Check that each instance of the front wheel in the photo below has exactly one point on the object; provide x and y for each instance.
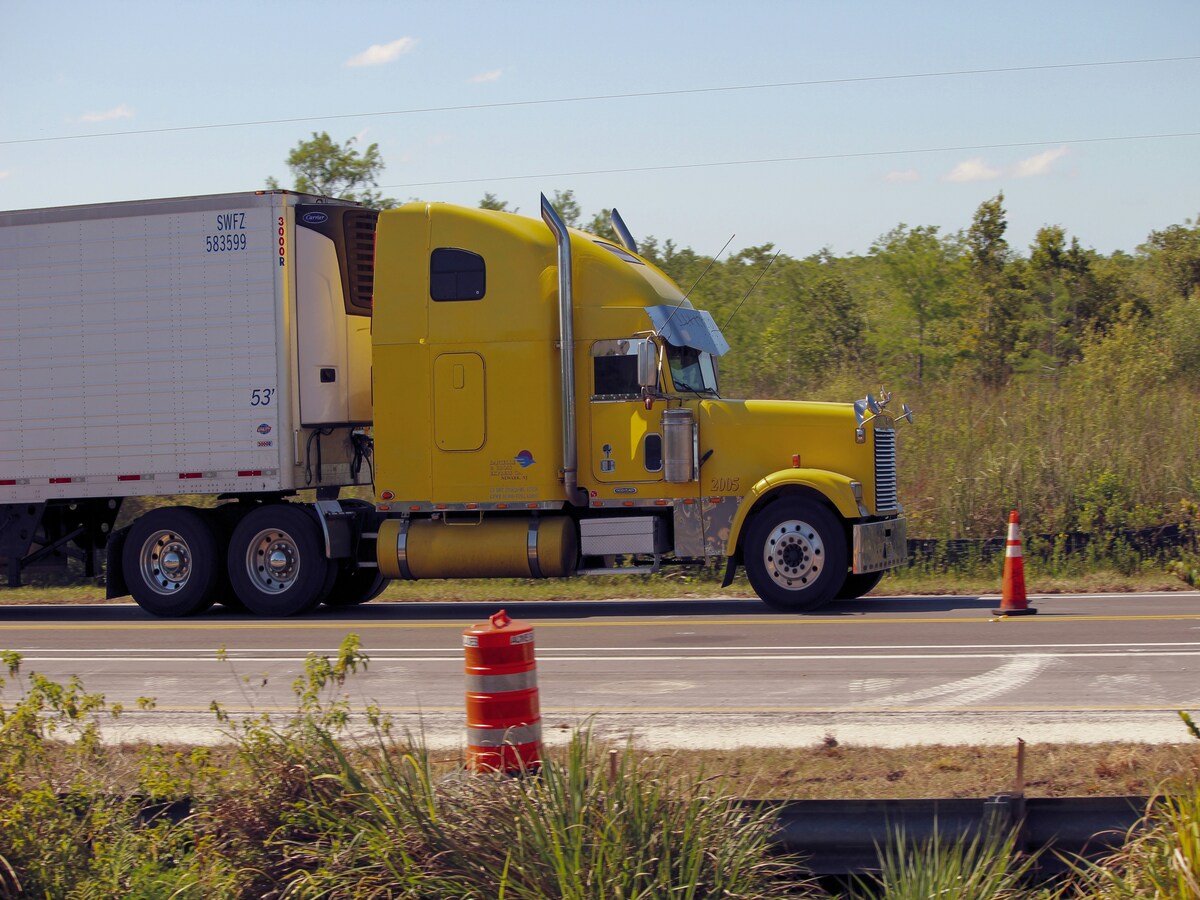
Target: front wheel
(277, 562)
(795, 555)
(856, 585)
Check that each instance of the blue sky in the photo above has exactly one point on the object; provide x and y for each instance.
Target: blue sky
(803, 124)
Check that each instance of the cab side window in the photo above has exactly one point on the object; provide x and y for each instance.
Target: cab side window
(616, 376)
(456, 274)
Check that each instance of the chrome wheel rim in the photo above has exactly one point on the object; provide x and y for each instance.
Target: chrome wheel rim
(165, 562)
(794, 555)
(273, 561)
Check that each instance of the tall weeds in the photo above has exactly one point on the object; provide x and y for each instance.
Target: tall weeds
(981, 867)
(302, 808)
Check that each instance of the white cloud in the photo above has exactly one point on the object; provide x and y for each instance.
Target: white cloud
(973, 170)
(979, 169)
(1039, 164)
(378, 54)
(485, 77)
(903, 176)
(117, 112)
(4, 174)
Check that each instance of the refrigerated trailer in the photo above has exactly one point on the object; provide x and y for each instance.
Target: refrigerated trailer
(519, 399)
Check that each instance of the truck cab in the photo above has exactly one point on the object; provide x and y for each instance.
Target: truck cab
(547, 402)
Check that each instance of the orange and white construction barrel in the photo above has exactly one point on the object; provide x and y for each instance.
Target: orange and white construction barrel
(504, 722)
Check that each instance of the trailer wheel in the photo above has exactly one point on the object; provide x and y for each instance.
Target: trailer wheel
(171, 562)
(856, 585)
(354, 587)
(795, 555)
(277, 562)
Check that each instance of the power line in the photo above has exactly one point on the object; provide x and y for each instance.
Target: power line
(788, 159)
(600, 97)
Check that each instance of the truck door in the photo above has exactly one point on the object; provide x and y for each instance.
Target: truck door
(627, 441)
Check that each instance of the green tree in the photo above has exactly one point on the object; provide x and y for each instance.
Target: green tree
(491, 201)
(568, 208)
(989, 292)
(1174, 255)
(921, 269)
(323, 167)
(816, 332)
(601, 225)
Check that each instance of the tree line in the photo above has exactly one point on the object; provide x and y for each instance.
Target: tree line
(1050, 378)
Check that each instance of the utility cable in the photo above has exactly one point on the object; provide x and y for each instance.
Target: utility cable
(593, 98)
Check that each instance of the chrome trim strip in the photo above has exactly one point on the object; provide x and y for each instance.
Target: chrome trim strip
(402, 551)
(531, 548)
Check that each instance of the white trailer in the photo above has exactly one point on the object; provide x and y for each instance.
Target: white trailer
(213, 345)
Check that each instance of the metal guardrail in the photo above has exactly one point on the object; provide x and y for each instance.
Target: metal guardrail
(1147, 541)
(842, 837)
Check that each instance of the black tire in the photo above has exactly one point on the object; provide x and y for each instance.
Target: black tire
(277, 562)
(172, 562)
(795, 554)
(355, 587)
(856, 585)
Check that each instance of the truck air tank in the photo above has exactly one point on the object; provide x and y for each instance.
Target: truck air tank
(510, 547)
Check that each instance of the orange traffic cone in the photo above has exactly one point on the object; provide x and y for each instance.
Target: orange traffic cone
(1012, 597)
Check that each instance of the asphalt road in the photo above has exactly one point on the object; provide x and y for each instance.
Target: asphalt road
(700, 673)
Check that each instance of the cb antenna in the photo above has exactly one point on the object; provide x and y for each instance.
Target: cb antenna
(752, 287)
(696, 282)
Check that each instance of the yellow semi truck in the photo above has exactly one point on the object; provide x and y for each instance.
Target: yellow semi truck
(529, 401)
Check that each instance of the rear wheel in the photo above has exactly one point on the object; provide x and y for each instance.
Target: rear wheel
(277, 562)
(172, 561)
(795, 554)
(856, 585)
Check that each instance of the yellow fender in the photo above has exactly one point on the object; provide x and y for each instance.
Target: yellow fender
(835, 488)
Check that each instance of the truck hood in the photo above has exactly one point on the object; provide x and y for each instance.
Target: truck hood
(746, 440)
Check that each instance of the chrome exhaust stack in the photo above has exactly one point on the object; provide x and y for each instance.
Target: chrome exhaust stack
(566, 339)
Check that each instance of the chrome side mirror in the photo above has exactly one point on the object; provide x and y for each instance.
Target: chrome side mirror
(647, 364)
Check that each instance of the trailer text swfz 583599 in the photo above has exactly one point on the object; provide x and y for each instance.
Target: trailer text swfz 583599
(526, 400)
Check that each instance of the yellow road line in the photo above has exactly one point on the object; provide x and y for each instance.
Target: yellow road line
(342, 625)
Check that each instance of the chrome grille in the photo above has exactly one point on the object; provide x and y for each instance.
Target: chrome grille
(886, 499)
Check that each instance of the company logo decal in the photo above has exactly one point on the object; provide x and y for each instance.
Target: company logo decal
(314, 218)
(524, 459)
(264, 428)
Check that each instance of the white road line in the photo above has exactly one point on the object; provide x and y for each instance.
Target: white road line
(229, 652)
(627, 657)
(977, 689)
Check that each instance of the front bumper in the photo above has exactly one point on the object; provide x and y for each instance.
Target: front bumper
(880, 545)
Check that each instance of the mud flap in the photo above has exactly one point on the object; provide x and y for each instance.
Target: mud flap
(114, 575)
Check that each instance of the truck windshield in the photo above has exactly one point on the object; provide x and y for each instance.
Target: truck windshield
(692, 370)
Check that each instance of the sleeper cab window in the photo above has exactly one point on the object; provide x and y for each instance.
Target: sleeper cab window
(456, 275)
